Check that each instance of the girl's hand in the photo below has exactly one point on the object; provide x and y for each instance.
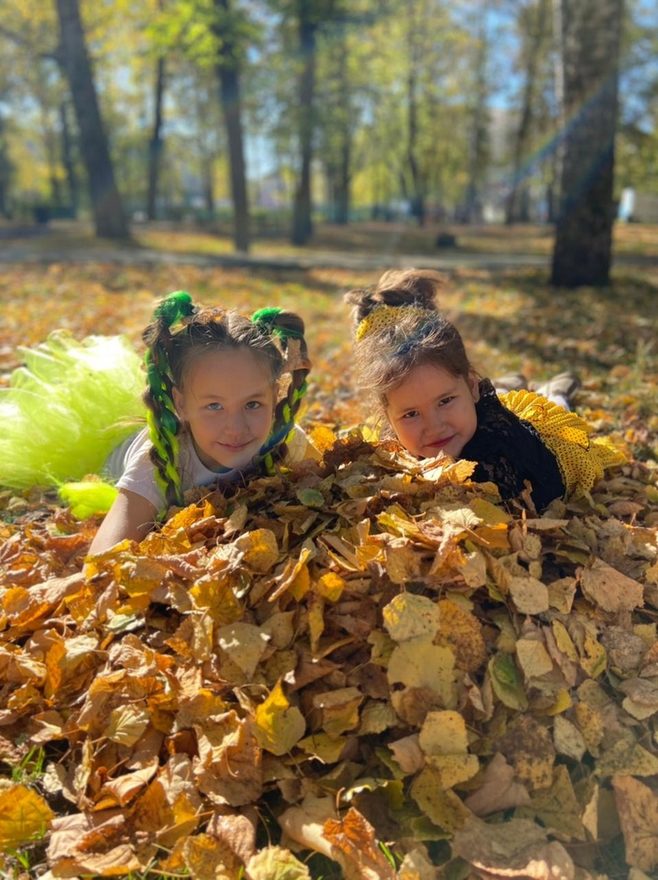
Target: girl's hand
(131, 516)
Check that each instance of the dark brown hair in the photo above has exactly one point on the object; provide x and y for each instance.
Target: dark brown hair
(420, 335)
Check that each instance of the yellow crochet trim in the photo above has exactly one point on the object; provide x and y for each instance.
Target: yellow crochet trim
(384, 316)
(580, 458)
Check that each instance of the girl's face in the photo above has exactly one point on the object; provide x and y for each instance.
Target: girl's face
(227, 400)
(433, 411)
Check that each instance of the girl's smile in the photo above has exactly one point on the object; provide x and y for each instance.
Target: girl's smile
(227, 402)
(433, 411)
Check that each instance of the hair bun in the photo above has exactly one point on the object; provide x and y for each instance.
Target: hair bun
(397, 288)
(409, 287)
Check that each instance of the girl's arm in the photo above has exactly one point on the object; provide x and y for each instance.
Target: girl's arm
(131, 516)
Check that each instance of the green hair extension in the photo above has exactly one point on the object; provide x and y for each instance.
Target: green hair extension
(267, 317)
(162, 421)
(174, 308)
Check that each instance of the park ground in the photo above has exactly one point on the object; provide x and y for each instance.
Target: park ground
(497, 294)
(600, 550)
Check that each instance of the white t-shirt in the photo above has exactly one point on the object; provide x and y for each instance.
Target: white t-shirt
(131, 467)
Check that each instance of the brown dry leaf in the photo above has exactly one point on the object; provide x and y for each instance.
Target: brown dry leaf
(157, 686)
(517, 848)
(529, 595)
(462, 631)
(355, 839)
(527, 745)
(608, 588)
(637, 805)
(208, 859)
(498, 789)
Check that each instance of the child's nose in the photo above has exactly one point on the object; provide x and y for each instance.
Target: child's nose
(237, 425)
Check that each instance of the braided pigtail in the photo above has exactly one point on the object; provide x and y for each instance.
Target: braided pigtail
(288, 329)
(162, 420)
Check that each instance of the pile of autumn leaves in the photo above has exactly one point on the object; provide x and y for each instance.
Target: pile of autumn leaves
(363, 658)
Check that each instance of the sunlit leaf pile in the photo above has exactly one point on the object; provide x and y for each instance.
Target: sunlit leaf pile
(364, 668)
(377, 661)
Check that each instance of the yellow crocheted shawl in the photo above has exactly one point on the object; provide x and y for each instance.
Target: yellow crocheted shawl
(581, 458)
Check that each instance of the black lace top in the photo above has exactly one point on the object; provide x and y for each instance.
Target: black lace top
(509, 451)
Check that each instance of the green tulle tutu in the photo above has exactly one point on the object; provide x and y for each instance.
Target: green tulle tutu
(67, 408)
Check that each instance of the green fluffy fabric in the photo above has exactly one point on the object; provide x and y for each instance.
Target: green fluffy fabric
(88, 497)
(67, 408)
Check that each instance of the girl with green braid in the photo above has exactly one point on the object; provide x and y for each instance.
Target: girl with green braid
(218, 409)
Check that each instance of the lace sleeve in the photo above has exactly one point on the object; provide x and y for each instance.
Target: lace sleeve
(509, 451)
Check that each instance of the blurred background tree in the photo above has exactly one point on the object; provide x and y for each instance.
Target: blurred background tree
(266, 116)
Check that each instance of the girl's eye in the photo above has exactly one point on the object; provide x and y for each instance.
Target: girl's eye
(253, 404)
(411, 414)
(446, 400)
(214, 407)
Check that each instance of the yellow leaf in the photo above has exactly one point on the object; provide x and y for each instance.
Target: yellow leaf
(208, 858)
(442, 807)
(278, 725)
(409, 616)
(276, 863)
(213, 593)
(339, 709)
(533, 658)
(330, 586)
(244, 643)
(126, 725)
(260, 549)
(490, 514)
(421, 664)
(322, 437)
(444, 741)
(315, 621)
(24, 817)
(325, 748)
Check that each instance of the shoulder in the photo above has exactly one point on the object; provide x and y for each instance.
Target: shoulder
(138, 471)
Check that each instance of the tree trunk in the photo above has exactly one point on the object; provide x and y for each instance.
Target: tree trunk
(342, 190)
(208, 185)
(417, 195)
(68, 161)
(5, 172)
(517, 201)
(109, 218)
(229, 86)
(155, 143)
(478, 141)
(302, 225)
(339, 168)
(583, 243)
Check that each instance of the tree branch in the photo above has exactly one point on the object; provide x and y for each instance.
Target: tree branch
(25, 43)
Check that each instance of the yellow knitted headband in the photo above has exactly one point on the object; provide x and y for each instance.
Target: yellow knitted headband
(384, 316)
